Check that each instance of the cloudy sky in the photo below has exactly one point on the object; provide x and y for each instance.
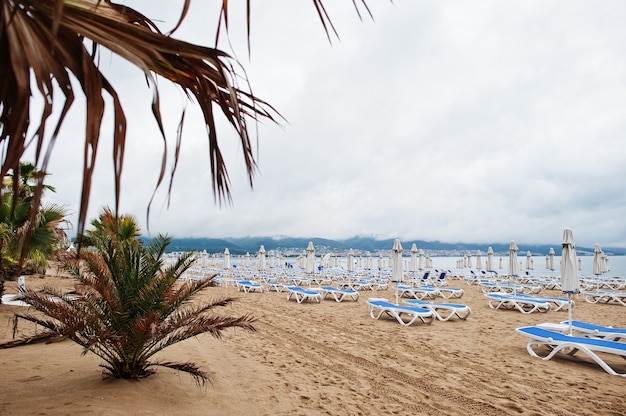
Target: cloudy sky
(457, 121)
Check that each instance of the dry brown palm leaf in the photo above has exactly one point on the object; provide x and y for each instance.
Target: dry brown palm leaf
(37, 37)
(44, 45)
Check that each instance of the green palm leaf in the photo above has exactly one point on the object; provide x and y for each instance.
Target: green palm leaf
(131, 307)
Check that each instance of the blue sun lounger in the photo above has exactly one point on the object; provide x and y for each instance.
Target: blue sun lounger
(558, 342)
(605, 296)
(556, 303)
(523, 304)
(300, 294)
(249, 286)
(377, 307)
(444, 292)
(338, 294)
(442, 311)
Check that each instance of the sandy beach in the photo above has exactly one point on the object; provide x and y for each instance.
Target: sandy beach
(326, 359)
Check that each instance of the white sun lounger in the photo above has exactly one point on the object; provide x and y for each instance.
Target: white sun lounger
(522, 304)
(556, 303)
(558, 342)
(13, 300)
(379, 285)
(600, 331)
(442, 311)
(444, 292)
(440, 280)
(338, 294)
(605, 296)
(248, 286)
(377, 307)
(300, 294)
(276, 286)
(16, 299)
(410, 291)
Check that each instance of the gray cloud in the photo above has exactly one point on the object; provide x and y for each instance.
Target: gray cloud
(482, 121)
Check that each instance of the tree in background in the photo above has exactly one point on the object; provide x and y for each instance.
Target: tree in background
(29, 233)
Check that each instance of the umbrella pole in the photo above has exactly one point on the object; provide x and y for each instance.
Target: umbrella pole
(569, 311)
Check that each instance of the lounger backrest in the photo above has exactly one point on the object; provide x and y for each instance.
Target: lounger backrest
(597, 344)
(599, 328)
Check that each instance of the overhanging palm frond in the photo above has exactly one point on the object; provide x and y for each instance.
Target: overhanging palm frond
(43, 47)
(47, 39)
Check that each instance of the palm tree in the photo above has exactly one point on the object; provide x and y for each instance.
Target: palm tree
(133, 305)
(29, 233)
(49, 43)
(108, 226)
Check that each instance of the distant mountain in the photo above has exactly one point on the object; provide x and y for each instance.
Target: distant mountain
(293, 245)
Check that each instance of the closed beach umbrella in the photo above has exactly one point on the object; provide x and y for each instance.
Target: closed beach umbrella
(569, 272)
(328, 260)
(397, 274)
(551, 259)
(469, 260)
(350, 260)
(380, 261)
(260, 260)
(529, 261)
(310, 258)
(500, 264)
(606, 262)
(489, 263)
(368, 260)
(247, 260)
(479, 260)
(226, 264)
(272, 258)
(597, 260)
(413, 262)
(513, 271)
(421, 264)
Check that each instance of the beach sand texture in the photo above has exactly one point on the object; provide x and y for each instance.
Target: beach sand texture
(326, 359)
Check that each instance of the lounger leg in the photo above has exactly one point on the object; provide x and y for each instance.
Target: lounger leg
(574, 347)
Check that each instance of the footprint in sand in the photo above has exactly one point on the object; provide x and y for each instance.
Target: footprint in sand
(33, 378)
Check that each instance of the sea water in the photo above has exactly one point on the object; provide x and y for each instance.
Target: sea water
(617, 264)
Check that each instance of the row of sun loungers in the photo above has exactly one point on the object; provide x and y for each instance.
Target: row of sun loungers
(300, 294)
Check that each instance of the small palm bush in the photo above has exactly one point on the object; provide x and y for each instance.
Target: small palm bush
(132, 306)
